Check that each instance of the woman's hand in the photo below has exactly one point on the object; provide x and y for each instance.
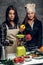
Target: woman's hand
(21, 30)
(10, 42)
(19, 42)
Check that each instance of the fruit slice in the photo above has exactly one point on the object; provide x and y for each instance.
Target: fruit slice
(20, 36)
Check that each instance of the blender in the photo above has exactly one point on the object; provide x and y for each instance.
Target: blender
(20, 50)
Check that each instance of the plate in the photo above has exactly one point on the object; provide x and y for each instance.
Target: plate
(40, 57)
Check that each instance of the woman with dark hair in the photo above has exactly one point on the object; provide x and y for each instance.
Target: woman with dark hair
(9, 29)
(33, 28)
(16, 15)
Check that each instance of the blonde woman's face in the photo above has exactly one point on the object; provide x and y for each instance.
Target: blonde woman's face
(31, 15)
(11, 15)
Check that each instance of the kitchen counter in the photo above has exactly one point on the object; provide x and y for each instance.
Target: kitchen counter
(33, 61)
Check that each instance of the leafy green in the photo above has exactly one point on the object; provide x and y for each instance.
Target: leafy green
(8, 62)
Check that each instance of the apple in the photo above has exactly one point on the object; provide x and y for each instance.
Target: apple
(22, 27)
(28, 37)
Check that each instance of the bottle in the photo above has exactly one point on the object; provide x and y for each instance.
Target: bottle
(3, 53)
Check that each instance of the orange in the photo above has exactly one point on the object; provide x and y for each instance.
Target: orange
(41, 49)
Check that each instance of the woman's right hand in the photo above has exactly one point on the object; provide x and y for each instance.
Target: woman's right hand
(10, 42)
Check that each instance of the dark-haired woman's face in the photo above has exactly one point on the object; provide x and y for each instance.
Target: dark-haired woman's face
(11, 15)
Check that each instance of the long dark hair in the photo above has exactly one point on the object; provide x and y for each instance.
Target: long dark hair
(26, 19)
(11, 7)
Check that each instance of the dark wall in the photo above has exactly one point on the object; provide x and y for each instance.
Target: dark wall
(19, 4)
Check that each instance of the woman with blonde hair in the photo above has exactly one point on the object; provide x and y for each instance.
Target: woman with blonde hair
(33, 28)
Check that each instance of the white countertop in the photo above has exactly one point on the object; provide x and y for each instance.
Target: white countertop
(33, 61)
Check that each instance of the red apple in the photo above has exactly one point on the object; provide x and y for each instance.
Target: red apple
(28, 37)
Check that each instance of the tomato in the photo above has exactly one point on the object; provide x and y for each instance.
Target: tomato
(16, 60)
(21, 60)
